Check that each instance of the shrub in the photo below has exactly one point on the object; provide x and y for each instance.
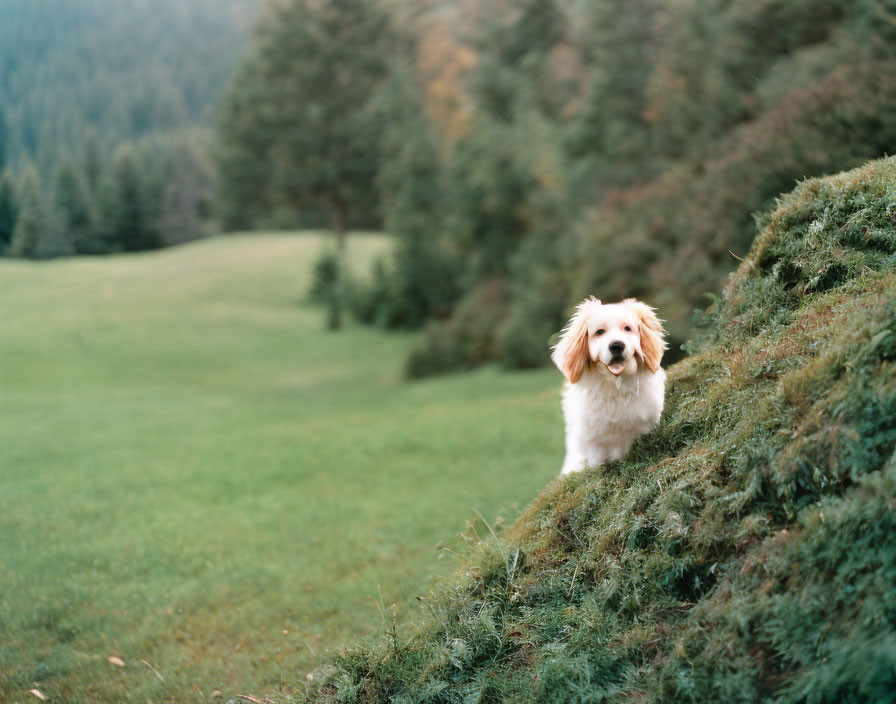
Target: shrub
(330, 286)
(465, 340)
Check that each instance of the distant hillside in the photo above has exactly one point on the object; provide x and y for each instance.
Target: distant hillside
(742, 552)
(124, 68)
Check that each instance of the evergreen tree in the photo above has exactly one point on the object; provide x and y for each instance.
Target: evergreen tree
(495, 171)
(183, 203)
(610, 137)
(4, 139)
(488, 192)
(93, 164)
(513, 61)
(126, 221)
(8, 211)
(312, 81)
(242, 196)
(153, 158)
(413, 202)
(32, 223)
(72, 208)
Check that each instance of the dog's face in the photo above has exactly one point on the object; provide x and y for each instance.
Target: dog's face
(613, 339)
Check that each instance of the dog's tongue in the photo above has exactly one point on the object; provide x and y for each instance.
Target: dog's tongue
(616, 368)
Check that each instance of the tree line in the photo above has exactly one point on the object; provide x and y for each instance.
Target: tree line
(140, 196)
(556, 149)
(524, 154)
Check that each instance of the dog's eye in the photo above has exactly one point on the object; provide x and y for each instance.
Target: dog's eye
(600, 331)
(628, 328)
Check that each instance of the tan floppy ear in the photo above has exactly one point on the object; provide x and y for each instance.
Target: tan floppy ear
(652, 343)
(571, 352)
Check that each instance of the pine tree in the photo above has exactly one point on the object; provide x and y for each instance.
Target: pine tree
(126, 221)
(494, 173)
(610, 137)
(413, 201)
(153, 158)
(8, 211)
(93, 164)
(513, 60)
(72, 208)
(183, 199)
(4, 139)
(33, 223)
(242, 198)
(312, 80)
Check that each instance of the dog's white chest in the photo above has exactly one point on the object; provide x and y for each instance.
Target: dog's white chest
(605, 416)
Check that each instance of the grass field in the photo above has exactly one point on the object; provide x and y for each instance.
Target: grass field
(196, 479)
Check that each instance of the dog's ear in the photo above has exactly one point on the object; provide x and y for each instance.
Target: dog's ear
(571, 352)
(652, 343)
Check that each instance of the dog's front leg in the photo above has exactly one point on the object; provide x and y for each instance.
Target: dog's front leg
(575, 460)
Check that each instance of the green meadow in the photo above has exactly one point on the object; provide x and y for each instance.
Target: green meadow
(199, 480)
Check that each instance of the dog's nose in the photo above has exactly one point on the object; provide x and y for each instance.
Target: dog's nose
(617, 347)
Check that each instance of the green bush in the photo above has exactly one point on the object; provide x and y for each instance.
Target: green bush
(419, 281)
(326, 276)
(331, 286)
(378, 302)
(467, 339)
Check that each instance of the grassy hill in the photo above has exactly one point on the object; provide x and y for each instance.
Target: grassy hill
(197, 479)
(743, 551)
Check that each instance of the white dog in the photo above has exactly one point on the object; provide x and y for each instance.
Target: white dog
(610, 356)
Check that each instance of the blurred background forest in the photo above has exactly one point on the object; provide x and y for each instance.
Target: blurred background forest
(523, 154)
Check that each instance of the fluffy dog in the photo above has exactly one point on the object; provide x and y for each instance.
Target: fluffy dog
(614, 391)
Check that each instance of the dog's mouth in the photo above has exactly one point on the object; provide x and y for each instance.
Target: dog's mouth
(616, 366)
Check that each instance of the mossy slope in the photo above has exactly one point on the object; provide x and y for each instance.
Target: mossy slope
(742, 552)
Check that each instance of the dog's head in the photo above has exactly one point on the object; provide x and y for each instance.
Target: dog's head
(613, 339)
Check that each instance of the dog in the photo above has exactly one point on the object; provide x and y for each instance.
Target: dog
(610, 355)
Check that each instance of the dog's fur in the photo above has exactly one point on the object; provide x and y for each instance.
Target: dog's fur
(612, 394)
